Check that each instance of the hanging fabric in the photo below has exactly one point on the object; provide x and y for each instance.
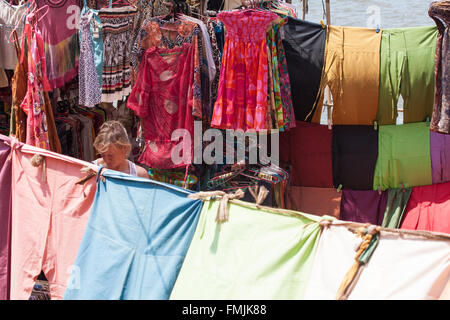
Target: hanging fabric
(440, 157)
(242, 96)
(406, 69)
(49, 217)
(152, 225)
(59, 34)
(10, 16)
(351, 87)
(116, 31)
(439, 11)
(365, 206)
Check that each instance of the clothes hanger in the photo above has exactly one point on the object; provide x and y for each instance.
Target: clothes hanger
(123, 2)
(31, 10)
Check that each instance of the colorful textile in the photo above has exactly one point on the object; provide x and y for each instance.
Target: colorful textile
(49, 216)
(348, 48)
(317, 201)
(355, 152)
(402, 267)
(135, 241)
(163, 98)
(5, 215)
(59, 32)
(304, 43)
(41, 130)
(365, 206)
(440, 157)
(403, 156)
(256, 254)
(156, 32)
(172, 177)
(90, 92)
(9, 19)
(406, 69)
(117, 31)
(243, 86)
(307, 149)
(428, 209)
(397, 201)
(439, 11)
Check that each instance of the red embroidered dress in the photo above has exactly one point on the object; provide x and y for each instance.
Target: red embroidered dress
(163, 98)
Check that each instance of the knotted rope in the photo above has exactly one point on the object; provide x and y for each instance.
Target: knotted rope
(222, 212)
(367, 235)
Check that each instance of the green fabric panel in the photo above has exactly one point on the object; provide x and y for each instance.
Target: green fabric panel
(403, 156)
(396, 205)
(256, 254)
(407, 59)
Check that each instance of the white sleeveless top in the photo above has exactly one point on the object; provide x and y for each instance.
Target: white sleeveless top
(133, 170)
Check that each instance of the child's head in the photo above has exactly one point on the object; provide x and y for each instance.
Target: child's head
(112, 143)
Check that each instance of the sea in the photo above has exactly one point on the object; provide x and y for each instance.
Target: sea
(369, 14)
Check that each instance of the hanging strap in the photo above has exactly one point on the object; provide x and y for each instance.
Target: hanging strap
(110, 3)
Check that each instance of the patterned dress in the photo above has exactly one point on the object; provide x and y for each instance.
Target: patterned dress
(243, 85)
(89, 86)
(117, 33)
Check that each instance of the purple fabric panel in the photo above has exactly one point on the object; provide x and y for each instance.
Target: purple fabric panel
(365, 206)
(440, 157)
(5, 212)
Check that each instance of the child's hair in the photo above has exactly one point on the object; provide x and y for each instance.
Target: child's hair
(112, 132)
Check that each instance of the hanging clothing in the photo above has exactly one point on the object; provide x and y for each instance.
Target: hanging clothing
(397, 201)
(41, 130)
(365, 206)
(407, 69)
(317, 201)
(3, 79)
(304, 43)
(348, 48)
(90, 92)
(59, 32)
(402, 267)
(19, 91)
(439, 11)
(163, 98)
(242, 96)
(307, 151)
(440, 157)
(156, 32)
(428, 209)
(152, 225)
(49, 217)
(9, 18)
(5, 215)
(256, 254)
(117, 28)
(355, 152)
(403, 156)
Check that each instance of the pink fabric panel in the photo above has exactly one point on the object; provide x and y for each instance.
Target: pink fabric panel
(49, 215)
(428, 209)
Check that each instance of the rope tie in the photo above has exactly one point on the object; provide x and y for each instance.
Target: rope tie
(325, 223)
(367, 234)
(222, 212)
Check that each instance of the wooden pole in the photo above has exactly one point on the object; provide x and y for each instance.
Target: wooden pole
(304, 8)
(328, 93)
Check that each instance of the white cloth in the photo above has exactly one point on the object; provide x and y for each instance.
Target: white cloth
(9, 17)
(402, 267)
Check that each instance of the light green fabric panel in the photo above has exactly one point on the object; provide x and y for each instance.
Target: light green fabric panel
(256, 254)
(403, 156)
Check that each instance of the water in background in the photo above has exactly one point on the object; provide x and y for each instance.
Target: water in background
(369, 14)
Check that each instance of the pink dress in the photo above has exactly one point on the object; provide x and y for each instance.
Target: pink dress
(33, 103)
(243, 85)
(163, 98)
